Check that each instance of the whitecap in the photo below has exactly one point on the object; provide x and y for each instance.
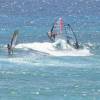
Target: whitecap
(48, 48)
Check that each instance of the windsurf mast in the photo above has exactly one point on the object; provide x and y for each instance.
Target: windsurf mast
(52, 28)
(76, 41)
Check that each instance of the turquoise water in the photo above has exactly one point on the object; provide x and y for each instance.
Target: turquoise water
(46, 78)
(31, 75)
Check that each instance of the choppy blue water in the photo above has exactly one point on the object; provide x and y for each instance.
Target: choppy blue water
(29, 75)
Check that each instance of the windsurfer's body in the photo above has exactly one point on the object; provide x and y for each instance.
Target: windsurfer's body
(52, 35)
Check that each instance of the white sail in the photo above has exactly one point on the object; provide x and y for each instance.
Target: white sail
(14, 38)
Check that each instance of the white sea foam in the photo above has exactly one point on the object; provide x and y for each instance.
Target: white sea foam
(48, 48)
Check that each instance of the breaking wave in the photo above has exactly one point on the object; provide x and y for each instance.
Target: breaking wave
(48, 48)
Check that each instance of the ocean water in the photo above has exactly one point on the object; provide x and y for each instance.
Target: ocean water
(31, 75)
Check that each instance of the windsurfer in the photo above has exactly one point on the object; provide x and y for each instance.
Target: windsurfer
(12, 44)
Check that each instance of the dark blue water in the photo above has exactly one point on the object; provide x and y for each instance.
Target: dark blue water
(29, 75)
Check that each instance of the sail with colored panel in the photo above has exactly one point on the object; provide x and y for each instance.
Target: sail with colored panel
(59, 26)
(61, 23)
(57, 29)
